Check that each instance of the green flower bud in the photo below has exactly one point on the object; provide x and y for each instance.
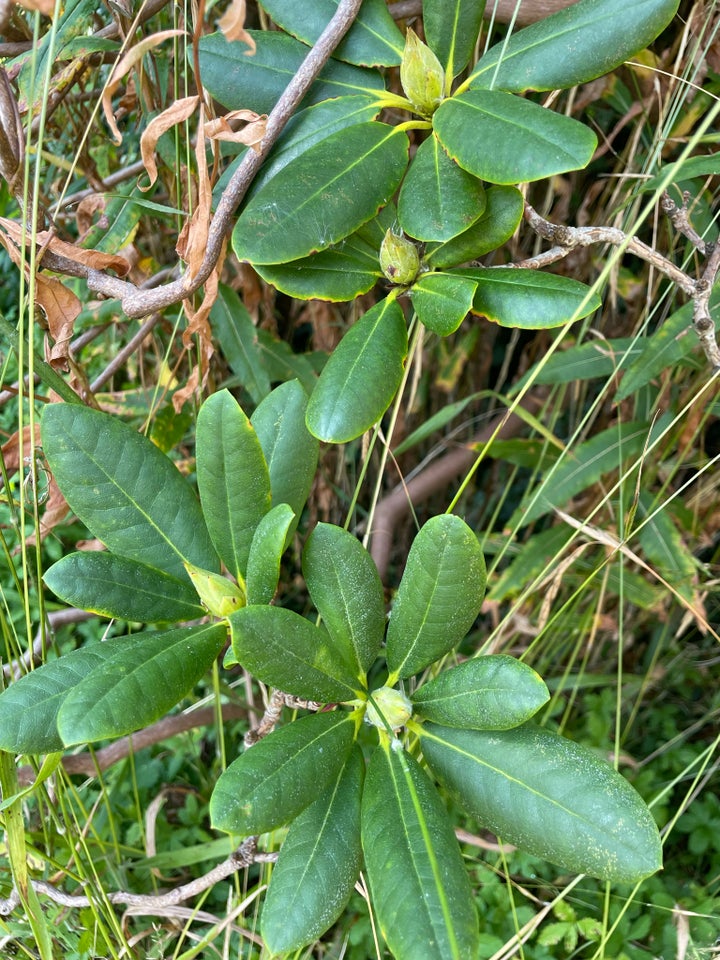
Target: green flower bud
(218, 595)
(399, 258)
(393, 708)
(421, 75)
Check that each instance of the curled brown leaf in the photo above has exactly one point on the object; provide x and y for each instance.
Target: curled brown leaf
(232, 24)
(177, 112)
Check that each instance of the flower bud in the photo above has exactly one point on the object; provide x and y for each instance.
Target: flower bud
(421, 75)
(218, 595)
(393, 708)
(399, 258)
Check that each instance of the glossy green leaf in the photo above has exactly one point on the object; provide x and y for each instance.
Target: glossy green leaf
(418, 881)
(74, 19)
(442, 301)
(266, 550)
(438, 199)
(291, 452)
(551, 797)
(323, 195)
(318, 865)
(528, 299)
(451, 30)
(372, 41)
(503, 213)
(139, 684)
(285, 650)
(574, 45)
(114, 586)
(233, 478)
(597, 358)
(345, 587)
(361, 377)
(239, 81)
(487, 693)
(436, 422)
(237, 337)
(665, 548)
(30, 705)
(338, 274)
(276, 779)
(604, 453)
(703, 165)
(125, 491)
(439, 596)
(528, 141)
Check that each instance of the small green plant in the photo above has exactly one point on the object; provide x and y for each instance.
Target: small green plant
(469, 722)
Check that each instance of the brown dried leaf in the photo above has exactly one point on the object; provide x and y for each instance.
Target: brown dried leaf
(178, 112)
(192, 243)
(232, 24)
(48, 241)
(61, 307)
(45, 7)
(11, 448)
(251, 134)
(133, 56)
(86, 210)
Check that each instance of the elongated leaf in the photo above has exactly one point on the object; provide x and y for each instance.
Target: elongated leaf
(442, 301)
(438, 199)
(29, 707)
(436, 422)
(665, 548)
(340, 273)
(553, 798)
(318, 864)
(281, 775)
(322, 196)
(574, 45)
(234, 330)
(540, 553)
(117, 587)
(285, 650)
(233, 478)
(255, 83)
(439, 596)
(372, 41)
(487, 693)
(419, 885)
(528, 142)
(291, 452)
(529, 299)
(361, 377)
(584, 361)
(590, 460)
(451, 30)
(345, 587)
(266, 550)
(503, 213)
(139, 684)
(125, 491)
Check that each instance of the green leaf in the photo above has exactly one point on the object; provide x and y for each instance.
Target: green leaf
(276, 779)
(436, 422)
(285, 650)
(125, 491)
(588, 462)
(574, 45)
(553, 798)
(323, 195)
(345, 587)
(451, 30)
(237, 336)
(291, 452)
(139, 683)
(318, 865)
(598, 358)
(438, 199)
(665, 549)
(442, 301)
(706, 164)
(503, 213)
(372, 41)
(439, 596)
(114, 586)
(362, 375)
(528, 299)
(233, 478)
(418, 881)
(30, 705)
(239, 81)
(528, 141)
(266, 550)
(119, 220)
(536, 556)
(488, 693)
